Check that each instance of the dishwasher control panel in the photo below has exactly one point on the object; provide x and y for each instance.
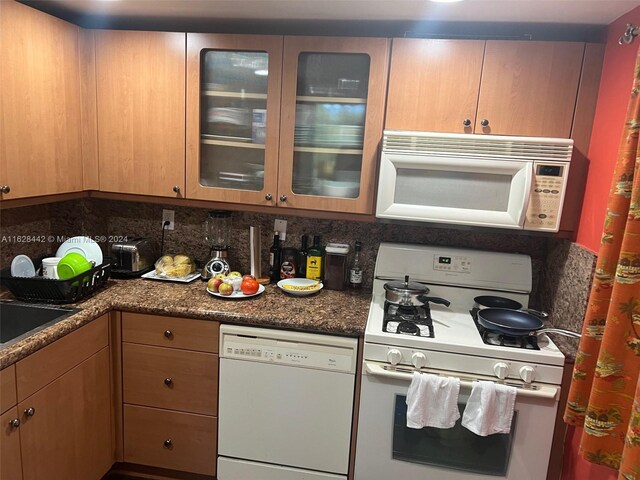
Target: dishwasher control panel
(287, 351)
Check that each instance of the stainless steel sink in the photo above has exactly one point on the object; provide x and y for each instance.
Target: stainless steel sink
(18, 320)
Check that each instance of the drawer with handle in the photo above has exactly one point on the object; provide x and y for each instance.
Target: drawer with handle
(174, 440)
(170, 378)
(171, 332)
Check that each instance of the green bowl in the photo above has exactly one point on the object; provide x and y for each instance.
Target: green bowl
(71, 265)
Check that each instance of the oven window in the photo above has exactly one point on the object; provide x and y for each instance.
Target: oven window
(440, 188)
(454, 448)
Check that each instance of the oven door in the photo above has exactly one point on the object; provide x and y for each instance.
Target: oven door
(387, 449)
(455, 190)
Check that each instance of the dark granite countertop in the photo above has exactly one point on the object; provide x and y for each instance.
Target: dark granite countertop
(333, 312)
(339, 313)
(567, 345)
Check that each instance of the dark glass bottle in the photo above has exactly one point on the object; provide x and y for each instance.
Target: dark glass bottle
(302, 258)
(274, 258)
(315, 260)
(355, 269)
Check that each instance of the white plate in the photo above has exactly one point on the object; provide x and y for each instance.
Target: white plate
(237, 295)
(152, 275)
(299, 282)
(22, 266)
(84, 246)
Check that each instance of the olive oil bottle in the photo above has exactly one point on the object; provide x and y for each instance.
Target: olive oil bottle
(315, 260)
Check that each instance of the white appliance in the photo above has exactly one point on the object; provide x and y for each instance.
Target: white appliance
(285, 404)
(482, 180)
(386, 448)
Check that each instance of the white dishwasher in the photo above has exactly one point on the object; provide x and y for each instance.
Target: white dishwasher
(285, 404)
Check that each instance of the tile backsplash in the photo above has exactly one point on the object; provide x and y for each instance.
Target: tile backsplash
(561, 270)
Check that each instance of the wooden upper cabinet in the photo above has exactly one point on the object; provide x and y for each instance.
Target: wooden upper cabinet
(498, 87)
(293, 121)
(529, 88)
(333, 96)
(233, 117)
(140, 79)
(434, 84)
(40, 134)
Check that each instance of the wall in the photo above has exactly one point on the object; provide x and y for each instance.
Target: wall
(116, 218)
(34, 231)
(613, 97)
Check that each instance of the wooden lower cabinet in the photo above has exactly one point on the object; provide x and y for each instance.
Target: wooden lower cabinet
(170, 378)
(10, 459)
(170, 392)
(68, 435)
(168, 439)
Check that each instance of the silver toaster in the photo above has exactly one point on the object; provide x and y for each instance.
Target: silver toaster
(134, 257)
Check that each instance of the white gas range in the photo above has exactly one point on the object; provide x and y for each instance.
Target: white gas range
(386, 448)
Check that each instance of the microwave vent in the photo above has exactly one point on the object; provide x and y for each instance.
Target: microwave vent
(469, 145)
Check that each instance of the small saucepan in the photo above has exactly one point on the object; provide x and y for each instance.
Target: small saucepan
(516, 323)
(492, 301)
(405, 293)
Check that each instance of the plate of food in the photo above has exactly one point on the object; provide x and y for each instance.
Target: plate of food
(174, 268)
(153, 275)
(300, 287)
(236, 295)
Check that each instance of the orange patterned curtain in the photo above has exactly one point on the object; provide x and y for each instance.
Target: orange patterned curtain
(605, 393)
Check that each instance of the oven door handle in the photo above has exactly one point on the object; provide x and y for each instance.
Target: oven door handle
(549, 393)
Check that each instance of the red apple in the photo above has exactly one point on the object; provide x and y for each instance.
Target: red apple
(247, 276)
(215, 284)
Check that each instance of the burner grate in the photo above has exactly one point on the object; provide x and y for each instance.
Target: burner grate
(490, 337)
(407, 320)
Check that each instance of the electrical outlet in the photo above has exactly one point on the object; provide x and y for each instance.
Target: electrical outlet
(280, 226)
(168, 215)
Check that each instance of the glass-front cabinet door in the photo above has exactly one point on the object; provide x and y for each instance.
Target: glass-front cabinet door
(233, 116)
(332, 114)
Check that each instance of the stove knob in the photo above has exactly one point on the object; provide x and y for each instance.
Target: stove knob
(418, 359)
(394, 356)
(527, 374)
(501, 370)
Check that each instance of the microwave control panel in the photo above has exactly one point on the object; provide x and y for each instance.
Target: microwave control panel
(547, 196)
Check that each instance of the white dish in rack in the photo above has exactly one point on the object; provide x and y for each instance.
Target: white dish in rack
(84, 246)
(22, 266)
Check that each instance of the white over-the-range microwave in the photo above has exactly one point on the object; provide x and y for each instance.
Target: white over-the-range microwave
(477, 180)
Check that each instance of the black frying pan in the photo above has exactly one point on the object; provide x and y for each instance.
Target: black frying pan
(492, 301)
(516, 323)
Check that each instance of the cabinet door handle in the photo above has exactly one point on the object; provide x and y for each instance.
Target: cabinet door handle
(283, 198)
(268, 196)
(176, 189)
(168, 443)
(466, 122)
(15, 423)
(30, 412)
(5, 189)
(168, 334)
(168, 382)
(484, 122)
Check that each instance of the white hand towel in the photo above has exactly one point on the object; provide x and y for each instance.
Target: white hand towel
(432, 401)
(489, 409)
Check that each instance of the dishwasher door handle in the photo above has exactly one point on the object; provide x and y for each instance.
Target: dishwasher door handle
(377, 370)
